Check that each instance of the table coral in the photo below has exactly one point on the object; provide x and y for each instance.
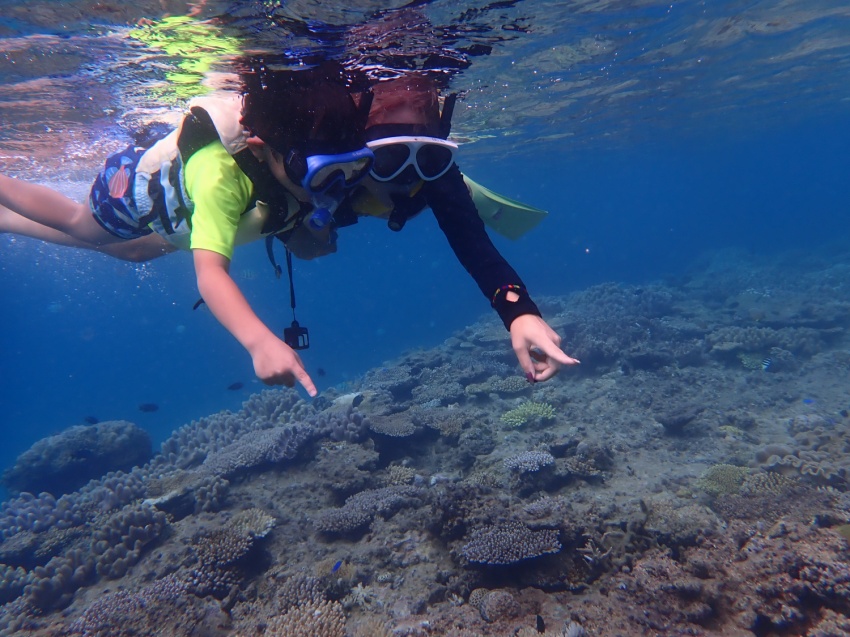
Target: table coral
(509, 543)
(529, 461)
(257, 448)
(360, 508)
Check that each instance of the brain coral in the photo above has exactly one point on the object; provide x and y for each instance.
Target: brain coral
(498, 605)
(723, 479)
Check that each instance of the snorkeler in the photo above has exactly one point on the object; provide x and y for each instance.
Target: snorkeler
(235, 170)
(414, 169)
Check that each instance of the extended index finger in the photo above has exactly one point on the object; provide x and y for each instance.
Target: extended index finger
(306, 382)
(554, 352)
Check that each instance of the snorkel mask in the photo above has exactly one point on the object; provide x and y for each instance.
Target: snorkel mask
(328, 178)
(407, 131)
(430, 157)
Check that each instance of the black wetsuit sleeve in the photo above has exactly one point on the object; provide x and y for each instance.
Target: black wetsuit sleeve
(449, 199)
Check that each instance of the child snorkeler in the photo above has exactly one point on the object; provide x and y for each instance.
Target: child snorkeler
(235, 170)
(415, 169)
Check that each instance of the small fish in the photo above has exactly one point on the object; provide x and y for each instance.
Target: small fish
(148, 407)
(321, 372)
(235, 386)
(92, 420)
(336, 566)
(766, 363)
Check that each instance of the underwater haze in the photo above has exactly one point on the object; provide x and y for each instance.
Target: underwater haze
(670, 143)
(653, 133)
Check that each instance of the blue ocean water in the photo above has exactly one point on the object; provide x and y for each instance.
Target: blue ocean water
(638, 188)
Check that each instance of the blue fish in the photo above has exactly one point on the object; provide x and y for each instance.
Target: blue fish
(336, 567)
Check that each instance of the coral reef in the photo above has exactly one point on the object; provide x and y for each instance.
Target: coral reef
(662, 488)
(120, 538)
(319, 619)
(509, 543)
(399, 425)
(529, 461)
(361, 508)
(528, 411)
(256, 448)
(161, 608)
(723, 479)
(66, 461)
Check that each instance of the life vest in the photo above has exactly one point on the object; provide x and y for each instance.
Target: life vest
(160, 190)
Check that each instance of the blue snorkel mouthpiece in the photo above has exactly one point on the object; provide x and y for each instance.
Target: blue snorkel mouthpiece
(324, 207)
(319, 218)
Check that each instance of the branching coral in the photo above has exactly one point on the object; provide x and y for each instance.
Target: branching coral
(509, 543)
(317, 619)
(164, 607)
(529, 461)
(527, 412)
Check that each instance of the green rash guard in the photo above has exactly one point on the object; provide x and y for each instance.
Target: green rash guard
(221, 192)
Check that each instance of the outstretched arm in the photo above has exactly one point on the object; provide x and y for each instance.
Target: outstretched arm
(538, 348)
(536, 345)
(275, 363)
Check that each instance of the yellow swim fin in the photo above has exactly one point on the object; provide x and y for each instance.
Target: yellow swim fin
(508, 217)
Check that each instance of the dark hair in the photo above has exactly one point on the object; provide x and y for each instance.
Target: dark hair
(407, 105)
(311, 110)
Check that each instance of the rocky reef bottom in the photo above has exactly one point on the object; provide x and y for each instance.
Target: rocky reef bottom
(689, 478)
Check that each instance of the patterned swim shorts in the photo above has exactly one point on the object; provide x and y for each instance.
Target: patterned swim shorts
(112, 201)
